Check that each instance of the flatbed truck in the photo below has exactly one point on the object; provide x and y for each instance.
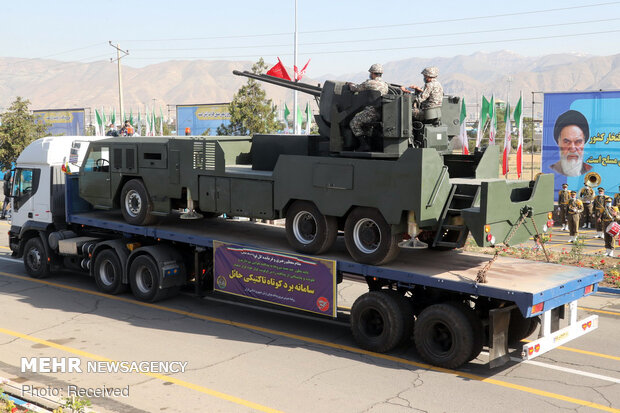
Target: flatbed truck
(432, 299)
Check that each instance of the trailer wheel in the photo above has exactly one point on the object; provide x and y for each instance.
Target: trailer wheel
(520, 327)
(307, 230)
(377, 321)
(478, 330)
(108, 272)
(406, 309)
(144, 280)
(35, 258)
(369, 237)
(136, 203)
(444, 335)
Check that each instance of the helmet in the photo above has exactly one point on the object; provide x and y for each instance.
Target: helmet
(431, 71)
(376, 68)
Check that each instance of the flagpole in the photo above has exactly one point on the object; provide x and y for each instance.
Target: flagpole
(295, 126)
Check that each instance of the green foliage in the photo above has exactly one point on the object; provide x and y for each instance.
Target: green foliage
(250, 110)
(18, 129)
(207, 132)
(76, 404)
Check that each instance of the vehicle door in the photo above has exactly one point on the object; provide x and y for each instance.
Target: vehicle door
(95, 174)
(23, 191)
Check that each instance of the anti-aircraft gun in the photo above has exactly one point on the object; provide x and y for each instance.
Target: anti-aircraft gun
(390, 136)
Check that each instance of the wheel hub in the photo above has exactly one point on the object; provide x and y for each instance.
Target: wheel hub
(144, 280)
(34, 259)
(107, 275)
(133, 203)
(304, 227)
(366, 235)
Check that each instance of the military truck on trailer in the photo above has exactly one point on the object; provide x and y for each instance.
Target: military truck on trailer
(410, 192)
(54, 229)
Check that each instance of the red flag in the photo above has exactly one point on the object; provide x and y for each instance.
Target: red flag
(279, 71)
(300, 74)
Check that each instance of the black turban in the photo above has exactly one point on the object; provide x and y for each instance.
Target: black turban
(571, 117)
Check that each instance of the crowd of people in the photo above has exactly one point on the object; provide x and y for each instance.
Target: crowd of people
(126, 130)
(599, 211)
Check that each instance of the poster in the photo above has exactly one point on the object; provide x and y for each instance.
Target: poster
(569, 157)
(202, 118)
(62, 122)
(295, 281)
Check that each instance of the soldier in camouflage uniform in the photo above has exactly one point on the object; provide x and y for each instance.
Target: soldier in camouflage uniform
(431, 96)
(370, 113)
(617, 198)
(587, 197)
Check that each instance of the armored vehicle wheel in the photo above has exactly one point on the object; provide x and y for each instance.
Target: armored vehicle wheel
(307, 230)
(136, 203)
(378, 322)
(445, 336)
(144, 280)
(369, 237)
(35, 258)
(108, 272)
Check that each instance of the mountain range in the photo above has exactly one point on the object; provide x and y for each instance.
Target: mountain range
(50, 84)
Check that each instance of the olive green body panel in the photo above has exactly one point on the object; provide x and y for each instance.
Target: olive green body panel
(502, 204)
(413, 182)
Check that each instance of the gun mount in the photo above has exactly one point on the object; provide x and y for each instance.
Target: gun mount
(391, 136)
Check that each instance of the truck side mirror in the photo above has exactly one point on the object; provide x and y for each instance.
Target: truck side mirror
(7, 185)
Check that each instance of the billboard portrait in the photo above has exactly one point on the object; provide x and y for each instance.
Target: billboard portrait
(201, 118)
(62, 122)
(581, 134)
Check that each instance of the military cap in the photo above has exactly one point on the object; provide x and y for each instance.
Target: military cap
(564, 185)
(573, 192)
(431, 71)
(601, 189)
(568, 118)
(376, 68)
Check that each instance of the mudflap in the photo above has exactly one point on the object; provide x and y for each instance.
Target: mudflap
(499, 321)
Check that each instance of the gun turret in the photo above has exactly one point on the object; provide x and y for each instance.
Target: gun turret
(302, 87)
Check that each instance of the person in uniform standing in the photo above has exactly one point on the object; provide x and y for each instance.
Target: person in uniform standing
(609, 215)
(586, 194)
(431, 96)
(563, 198)
(617, 198)
(599, 207)
(575, 208)
(370, 113)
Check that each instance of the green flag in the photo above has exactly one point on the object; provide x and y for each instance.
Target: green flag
(300, 117)
(99, 123)
(286, 113)
(113, 116)
(131, 116)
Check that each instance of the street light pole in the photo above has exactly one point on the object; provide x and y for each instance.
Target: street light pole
(120, 78)
(295, 126)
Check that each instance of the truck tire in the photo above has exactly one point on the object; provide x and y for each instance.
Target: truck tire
(144, 280)
(307, 230)
(444, 335)
(520, 327)
(136, 203)
(369, 237)
(377, 321)
(478, 330)
(406, 309)
(108, 272)
(35, 258)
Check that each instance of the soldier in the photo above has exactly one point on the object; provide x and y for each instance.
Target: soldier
(575, 208)
(431, 96)
(617, 198)
(609, 215)
(370, 113)
(587, 196)
(563, 197)
(599, 207)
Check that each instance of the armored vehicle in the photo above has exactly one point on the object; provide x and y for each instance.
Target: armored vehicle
(410, 191)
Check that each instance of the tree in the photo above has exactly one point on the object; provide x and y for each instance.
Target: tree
(18, 127)
(250, 110)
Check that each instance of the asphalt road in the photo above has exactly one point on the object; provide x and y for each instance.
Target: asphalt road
(246, 359)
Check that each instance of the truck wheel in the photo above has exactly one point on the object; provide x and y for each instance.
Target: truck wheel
(406, 309)
(369, 237)
(478, 330)
(108, 272)
(144, 280)
(444, 335)
(307, 230)
(520, 327)
(136, 203)
(377, 321)
(35, 258)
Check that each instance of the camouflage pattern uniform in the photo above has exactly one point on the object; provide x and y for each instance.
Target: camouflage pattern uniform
(432, 94)
(370, 113)
(587, 197)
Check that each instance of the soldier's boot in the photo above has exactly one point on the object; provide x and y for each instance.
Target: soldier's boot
(611, 253)
(589, 225)
(364, 146)
(571, 239)
(584, 225)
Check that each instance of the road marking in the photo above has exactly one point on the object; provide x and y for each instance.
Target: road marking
(10, 259)
(592, 310)
(170, 379)
(324, 343)
(4, 248)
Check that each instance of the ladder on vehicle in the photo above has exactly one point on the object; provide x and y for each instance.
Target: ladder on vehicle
(452, 231)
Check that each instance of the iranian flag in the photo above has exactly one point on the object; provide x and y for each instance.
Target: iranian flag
(463, 134)
(139, 125)
(308, 118)
(518, 115)
(286, 113)
(300, 119)
(493, 125)
(147, 122)
(153, 123)
(161, 122)
(484, 114)
(99, 124)
(507, 140)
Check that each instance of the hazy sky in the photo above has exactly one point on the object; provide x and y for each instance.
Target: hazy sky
(339, 36)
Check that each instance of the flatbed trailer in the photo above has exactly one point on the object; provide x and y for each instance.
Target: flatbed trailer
(432, 297)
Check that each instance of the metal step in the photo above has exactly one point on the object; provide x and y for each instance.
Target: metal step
(463, 196)
(446, 244)
(453, 227)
